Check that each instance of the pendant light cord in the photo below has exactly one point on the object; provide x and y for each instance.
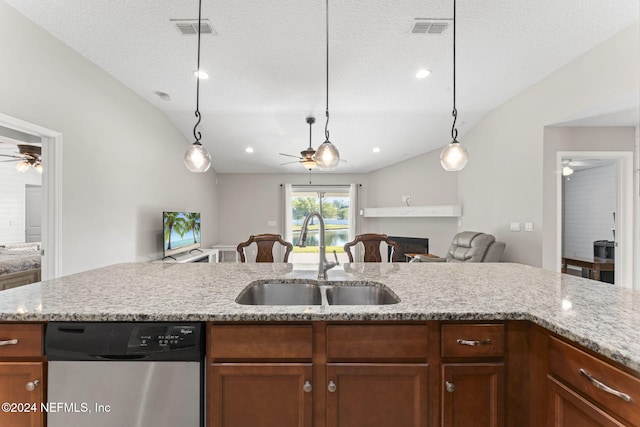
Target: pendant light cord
(326, 126)
(196, 133)
(454, 113)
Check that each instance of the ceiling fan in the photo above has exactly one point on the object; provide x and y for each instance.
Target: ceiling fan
(30, 155)
(306, 157)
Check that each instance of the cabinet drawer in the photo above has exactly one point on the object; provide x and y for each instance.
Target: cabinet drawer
(20, 340)
(476, 340)
(263, 342)
(572, 366)
(376, 342)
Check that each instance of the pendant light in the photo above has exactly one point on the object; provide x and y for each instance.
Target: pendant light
(454, 157)
(327, 156)
(197, 158)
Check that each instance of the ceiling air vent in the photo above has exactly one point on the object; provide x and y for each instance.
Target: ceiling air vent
(190, 26)
(429, 27)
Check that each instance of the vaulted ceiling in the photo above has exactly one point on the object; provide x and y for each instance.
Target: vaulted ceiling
(267, 65)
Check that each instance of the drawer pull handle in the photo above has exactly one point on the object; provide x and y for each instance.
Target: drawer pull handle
(9, 342)
(307, 387)
(604, 387)
(332, 387)
(31, 385)
(474, 343)
(449, 386)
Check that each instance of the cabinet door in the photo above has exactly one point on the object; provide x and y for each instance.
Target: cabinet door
(376, 395)
(473, 395)
(21, 387)
(259, 395)
(569, 409)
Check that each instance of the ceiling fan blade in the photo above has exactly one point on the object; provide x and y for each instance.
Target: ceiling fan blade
(289, 155)
(288, 163)
(12, 160)
(11, 155)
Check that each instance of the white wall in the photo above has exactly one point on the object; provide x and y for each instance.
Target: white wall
(12, 200)
(423, 179)
(589, 200)
(122, 158)
(503, 181)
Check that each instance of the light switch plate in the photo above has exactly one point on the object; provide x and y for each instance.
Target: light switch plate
(528, 226)
(515, 226)
(271, 223)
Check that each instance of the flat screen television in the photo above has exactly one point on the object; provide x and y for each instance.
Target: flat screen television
(181, 232)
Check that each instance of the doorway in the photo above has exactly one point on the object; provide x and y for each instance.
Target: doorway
(33, 213)
(51, 217)
(595, 210)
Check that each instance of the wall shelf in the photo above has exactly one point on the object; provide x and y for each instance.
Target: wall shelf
(415, 211)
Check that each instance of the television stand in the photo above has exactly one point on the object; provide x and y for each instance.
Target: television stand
(205, 255)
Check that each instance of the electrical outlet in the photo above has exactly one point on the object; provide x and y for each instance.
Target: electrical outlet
(515, 226)
(271, 223)
(528, 226)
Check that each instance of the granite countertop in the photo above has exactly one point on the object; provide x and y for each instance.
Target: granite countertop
(600, 316)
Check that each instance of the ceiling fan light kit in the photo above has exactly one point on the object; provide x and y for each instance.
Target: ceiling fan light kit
(197, 158)
(30, 155)
(454, 157)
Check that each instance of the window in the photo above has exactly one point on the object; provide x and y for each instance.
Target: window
(336, 204)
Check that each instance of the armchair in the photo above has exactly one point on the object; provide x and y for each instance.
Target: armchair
(469, 246)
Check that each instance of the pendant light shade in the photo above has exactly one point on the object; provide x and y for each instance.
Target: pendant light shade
(327, 156)
(454, 157)
(197, 158)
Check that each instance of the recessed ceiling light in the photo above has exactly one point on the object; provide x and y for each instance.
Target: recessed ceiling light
(201, 74)
(249, 150)
(376, 149)
(423, 73)
(163, 95)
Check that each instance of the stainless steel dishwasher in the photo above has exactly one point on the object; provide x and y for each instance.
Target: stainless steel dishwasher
(130, 374)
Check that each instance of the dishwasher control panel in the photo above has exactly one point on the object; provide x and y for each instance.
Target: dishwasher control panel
(145, 338)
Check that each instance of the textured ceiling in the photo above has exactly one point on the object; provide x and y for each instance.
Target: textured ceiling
(267, 67)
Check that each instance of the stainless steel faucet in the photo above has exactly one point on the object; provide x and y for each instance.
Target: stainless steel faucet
(324, 264)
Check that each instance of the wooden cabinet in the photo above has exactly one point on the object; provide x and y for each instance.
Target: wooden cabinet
(582, 386)
(335, 375)
(260, 395)
(259, 375)
(473, 381)
(377, 375)
(377, 395)
(569, 409)
(473, 394)
(411, 374)
(21, 375)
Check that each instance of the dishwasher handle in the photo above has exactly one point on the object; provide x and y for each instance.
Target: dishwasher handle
(119, 357)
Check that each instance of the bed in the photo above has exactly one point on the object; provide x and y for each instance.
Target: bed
(20, 264)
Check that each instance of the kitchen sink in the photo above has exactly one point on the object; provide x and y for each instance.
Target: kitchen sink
(276, 293)
(280, 294)
(359, 295)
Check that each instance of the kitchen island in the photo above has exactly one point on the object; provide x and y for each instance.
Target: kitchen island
(602, 317)
(435, 298)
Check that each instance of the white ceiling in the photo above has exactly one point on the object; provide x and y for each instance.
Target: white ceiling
(267, 67)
